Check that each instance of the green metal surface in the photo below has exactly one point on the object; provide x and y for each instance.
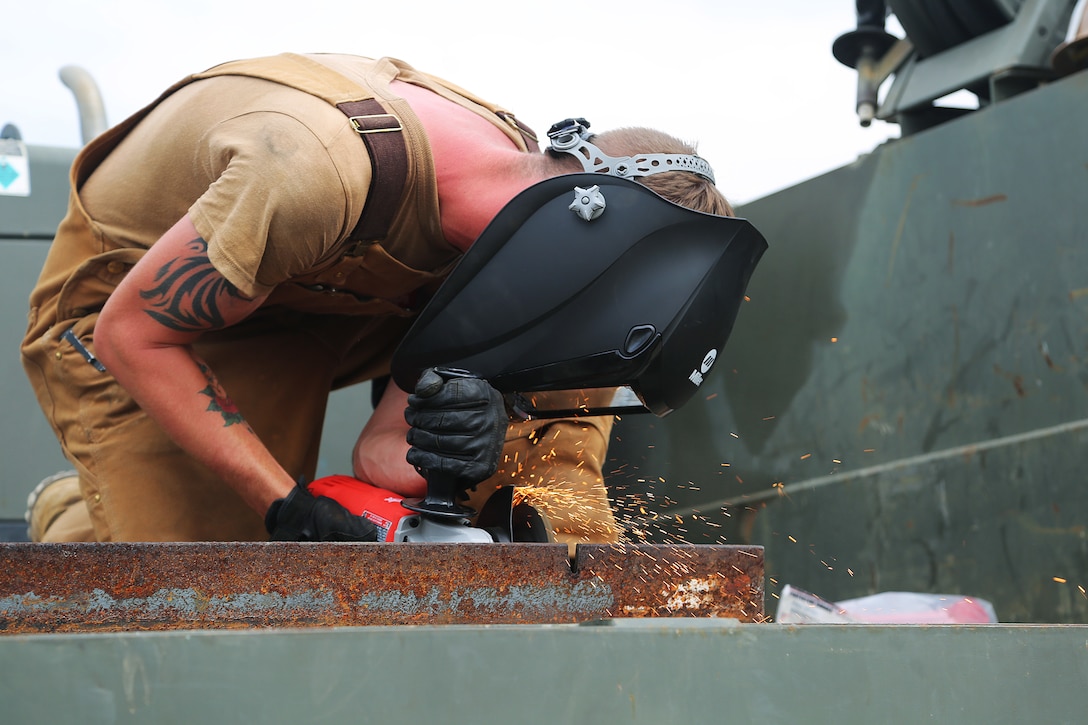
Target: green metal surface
(36, 216)
(916, 344)
(700, 671)
(28, 449)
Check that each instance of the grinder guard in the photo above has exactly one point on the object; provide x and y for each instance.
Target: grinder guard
(643, 295)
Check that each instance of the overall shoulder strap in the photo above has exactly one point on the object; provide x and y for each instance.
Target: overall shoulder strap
(379, 130)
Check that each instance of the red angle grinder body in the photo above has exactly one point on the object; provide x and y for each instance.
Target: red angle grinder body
(381, 507)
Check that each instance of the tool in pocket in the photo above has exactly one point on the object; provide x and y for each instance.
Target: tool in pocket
(82, 350)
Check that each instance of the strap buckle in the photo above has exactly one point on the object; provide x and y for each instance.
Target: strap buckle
(361, 127)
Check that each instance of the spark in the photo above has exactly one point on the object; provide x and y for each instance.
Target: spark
(1059, 579)
(834, 339)
(791, 538)
(836, 461)
(734, 434)
(806, 456)
(769, 417)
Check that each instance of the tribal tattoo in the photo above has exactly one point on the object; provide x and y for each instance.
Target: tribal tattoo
(220, 401)
(188, 292)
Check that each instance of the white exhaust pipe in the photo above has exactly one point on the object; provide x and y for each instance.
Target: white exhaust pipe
(92, 112)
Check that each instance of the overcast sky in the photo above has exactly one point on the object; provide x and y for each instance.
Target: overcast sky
(752, 82)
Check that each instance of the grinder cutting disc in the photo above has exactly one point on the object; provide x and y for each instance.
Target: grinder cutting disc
(643, 295)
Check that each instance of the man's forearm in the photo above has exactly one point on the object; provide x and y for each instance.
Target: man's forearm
(379, 454)
(144, 337)
(181, 393)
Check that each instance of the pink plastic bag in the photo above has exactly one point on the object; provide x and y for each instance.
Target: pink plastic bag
(799, 607)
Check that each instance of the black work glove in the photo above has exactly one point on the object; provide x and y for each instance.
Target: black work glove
(301, 516)
(458, 427)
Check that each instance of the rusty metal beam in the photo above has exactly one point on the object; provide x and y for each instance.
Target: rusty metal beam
(113, 587)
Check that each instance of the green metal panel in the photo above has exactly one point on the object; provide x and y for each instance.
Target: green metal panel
(28, 449)
(695, 671)
(36, 216)
(929, 298)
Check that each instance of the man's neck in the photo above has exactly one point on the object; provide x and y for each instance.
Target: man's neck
(472, 191)
(478, 169)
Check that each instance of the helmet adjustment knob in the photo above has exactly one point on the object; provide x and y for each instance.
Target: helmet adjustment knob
(588, 203)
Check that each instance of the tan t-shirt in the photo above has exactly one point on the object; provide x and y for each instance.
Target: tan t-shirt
(273, 178)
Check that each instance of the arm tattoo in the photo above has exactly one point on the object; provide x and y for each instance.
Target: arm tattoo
(188, 292)
(220, 401)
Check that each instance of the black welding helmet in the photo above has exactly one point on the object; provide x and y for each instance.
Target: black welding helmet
(589, 281)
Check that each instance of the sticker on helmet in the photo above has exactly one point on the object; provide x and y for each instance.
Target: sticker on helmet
(697, 375)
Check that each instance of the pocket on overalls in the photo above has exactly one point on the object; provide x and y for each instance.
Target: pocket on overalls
(93, 282)
(367, 283)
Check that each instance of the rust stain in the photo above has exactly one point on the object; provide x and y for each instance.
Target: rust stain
(1016, 379)
(122, 587)
(984, 201)
(900, 227)
(1018, 383)
(1044, 349)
